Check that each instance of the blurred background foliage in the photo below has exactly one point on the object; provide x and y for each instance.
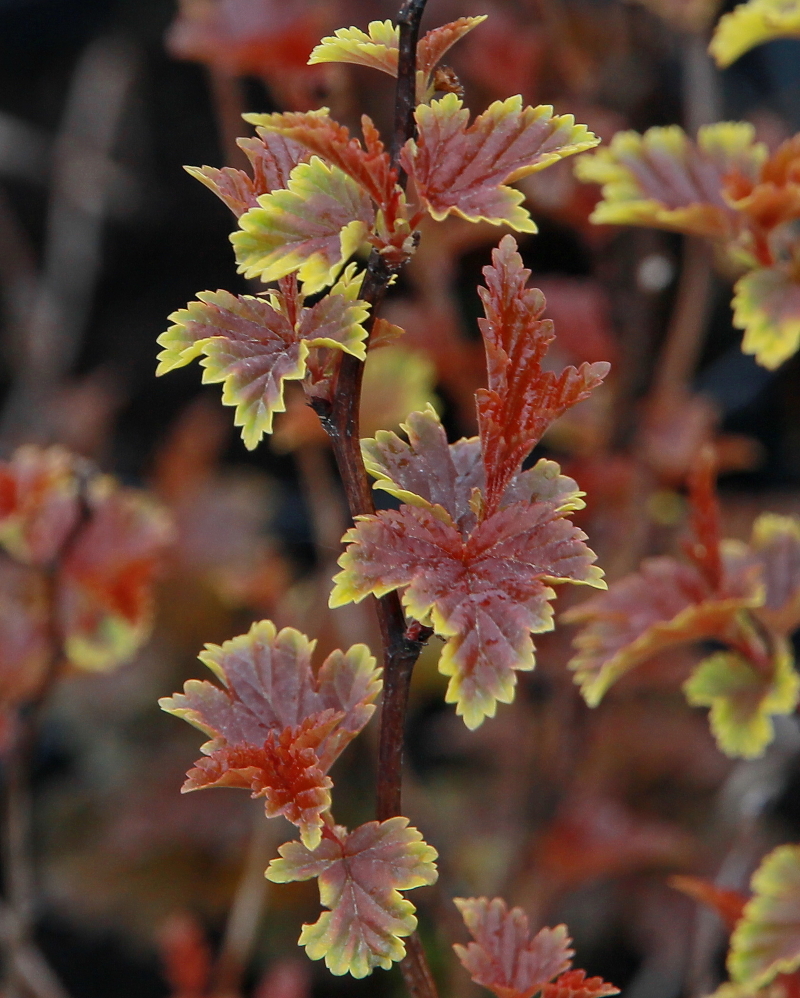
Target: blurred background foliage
(577, 815)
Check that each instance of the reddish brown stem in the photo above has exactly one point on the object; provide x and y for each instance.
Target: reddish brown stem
(401, 645)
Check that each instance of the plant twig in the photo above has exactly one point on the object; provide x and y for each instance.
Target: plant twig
(401, 644)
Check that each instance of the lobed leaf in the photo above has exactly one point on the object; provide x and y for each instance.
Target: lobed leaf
(435, 44)
(39, 503)
(104, 584)
(742, 701)
(269, 687)
(752, 24)
(766, 305)
(775, 546)
(504, 957)
(484, 592)
(272, 158)
(575, 984)
(463, 169)
(312, 228)
(522, 399)
(360, 876)
(766, 941)
(664, 180)
(255, 346)
(427, 471)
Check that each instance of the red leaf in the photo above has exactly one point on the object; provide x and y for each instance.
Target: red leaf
(39, 502)
(522, 400)
(504, 957)
(726, 903)
(463, 169)
(104, 597)
(360, 876)
(276, 728)
(273, 158)
(575, 984)
(434, 45)
(485, 591)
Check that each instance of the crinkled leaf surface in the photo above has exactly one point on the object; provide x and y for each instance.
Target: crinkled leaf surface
(104, 585)
(312, 228)
(664, 180)
(751, 24)
(766, 305)
(253, 346)
(766, 942)
(272, 157)
(425, 470)
(464, 169)
(485, 591)
(39, 503)
(277, 729)
(575, 984)
(742, 701)
(504, 957)
(522, 399)
(360, 876)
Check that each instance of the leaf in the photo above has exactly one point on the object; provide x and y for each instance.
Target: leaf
(104, 586)
(766, 942)
(484, 591)
(360, 876)
(39, 503)
(751, 24)
(272, 157)
(25, 622)
(742, 701)
(277, 729)
(369, 167)
(775, 545)
(664, 604)
(378, 47)
(664, 180)
(504, 957)
(285, 771)
(464, 169)
(522, 400)
(728, 904)
(313, 227)
(254, 346)
(427, 471)
(575, 984)
(766, 305)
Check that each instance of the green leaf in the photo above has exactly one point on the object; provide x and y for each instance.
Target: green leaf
(313, 227)
(766, 305)
(743, 702)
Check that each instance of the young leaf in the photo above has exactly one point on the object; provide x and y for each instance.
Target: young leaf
(39, 503)
(664, 180)
(313, 227)
(463, 169)
(751, 24)
(766, 305)
(766, 942)
(485, 591)
(104, 586)
(277, 729)
(504, 957)
(272, 157)
(254, 346)
(742, 701)
(522, 400)
(575, 984)
(360, 876)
